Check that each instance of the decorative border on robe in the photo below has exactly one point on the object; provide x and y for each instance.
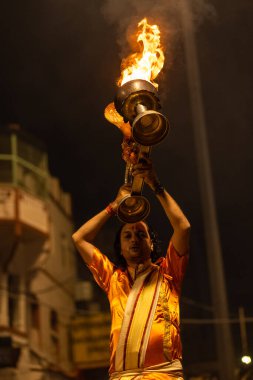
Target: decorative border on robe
(167, 324)
(137, 321)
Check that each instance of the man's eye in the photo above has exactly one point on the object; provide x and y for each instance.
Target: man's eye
(142, 234)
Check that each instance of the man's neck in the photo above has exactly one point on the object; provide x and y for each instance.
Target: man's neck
(134, 269)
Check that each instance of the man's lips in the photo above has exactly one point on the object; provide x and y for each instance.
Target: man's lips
(135, 247)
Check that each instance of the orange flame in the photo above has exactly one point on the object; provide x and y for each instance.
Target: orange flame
(147, 63)
(115, 118)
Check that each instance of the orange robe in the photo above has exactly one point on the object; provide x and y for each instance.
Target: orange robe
(164, 343)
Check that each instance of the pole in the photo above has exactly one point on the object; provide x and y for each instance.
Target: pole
(224, 343)
(243, 331)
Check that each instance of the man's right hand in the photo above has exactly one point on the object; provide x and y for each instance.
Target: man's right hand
(124, 190)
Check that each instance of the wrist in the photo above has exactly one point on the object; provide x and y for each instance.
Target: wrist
(111, 209)
(152, 182)
(158, 188)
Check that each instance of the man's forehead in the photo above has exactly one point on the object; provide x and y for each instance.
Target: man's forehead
(135, 226)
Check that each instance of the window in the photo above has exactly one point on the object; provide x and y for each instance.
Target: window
(53, 320)
(54, 326)
(34, 313)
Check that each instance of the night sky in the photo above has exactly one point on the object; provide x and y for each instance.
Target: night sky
(60, 60)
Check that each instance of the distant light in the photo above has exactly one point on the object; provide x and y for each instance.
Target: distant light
(246, 359)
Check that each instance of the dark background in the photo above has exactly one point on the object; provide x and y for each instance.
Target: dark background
(58, 67)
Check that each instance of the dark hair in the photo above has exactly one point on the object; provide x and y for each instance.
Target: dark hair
(155, 254)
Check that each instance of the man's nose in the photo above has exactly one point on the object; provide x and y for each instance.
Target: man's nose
(135, 238)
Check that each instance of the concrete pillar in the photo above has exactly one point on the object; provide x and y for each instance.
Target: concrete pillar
(22, 306)
(4, 300)
(224, 342)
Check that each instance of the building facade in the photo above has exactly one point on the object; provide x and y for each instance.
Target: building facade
(37, 264)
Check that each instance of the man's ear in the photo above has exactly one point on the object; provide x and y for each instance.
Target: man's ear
(152, 246)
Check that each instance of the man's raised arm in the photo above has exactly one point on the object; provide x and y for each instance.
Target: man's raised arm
(86, 234)
(178, 220)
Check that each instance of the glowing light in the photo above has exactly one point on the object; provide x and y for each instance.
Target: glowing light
(148, 62)
(115, 118)
(246, 359)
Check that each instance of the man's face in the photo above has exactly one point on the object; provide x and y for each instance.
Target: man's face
(136, 244)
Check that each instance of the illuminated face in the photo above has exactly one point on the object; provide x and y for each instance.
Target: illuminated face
(136, 244)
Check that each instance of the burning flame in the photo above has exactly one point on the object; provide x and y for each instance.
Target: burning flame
(145, 64)
(148, 62)
(115, 118)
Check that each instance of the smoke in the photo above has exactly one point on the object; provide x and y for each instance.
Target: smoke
(126, 14)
